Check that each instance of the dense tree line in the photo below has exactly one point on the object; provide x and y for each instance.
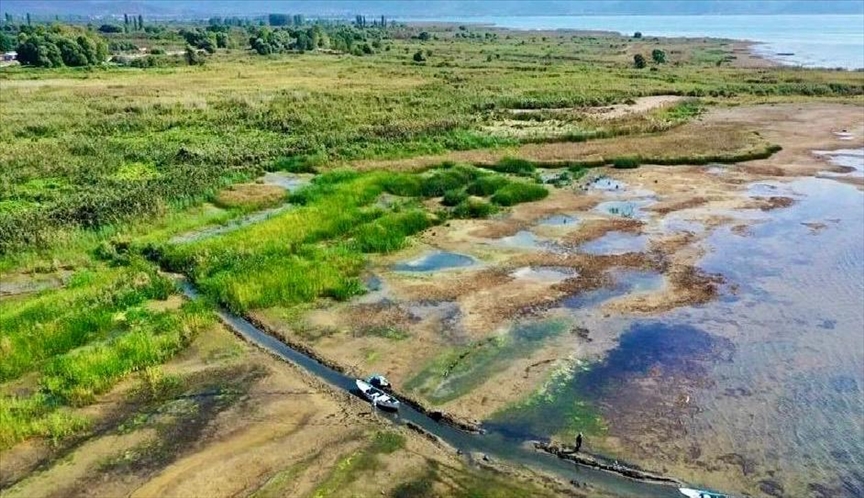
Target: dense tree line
(341, 38)
(57, 46)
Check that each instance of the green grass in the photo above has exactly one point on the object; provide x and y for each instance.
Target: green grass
(514, 166)
(487, 185)
(109, 145)
(625, 162)
(56, 322)
(96, 332)
(518, 192)
(317, 250)
(363, 461)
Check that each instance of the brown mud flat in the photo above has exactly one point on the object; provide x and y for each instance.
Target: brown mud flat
(238, 423)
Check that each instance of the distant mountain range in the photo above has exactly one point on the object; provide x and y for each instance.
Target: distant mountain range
(177, 9)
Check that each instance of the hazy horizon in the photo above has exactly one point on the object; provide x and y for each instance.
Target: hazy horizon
(430, 9)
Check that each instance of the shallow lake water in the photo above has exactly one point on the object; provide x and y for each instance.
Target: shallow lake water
(765, 384)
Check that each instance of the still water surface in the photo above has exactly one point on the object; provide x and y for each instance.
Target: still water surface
(815, 40)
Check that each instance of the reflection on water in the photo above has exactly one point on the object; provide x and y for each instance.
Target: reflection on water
(626, 209)
(647, 349)
(436, 261)
(625, 282)
(760, 390)
(559, 220)
(548, 274)
(798, 322)
(847, 158)
(288, 181)
(616, 243)
(523, 239)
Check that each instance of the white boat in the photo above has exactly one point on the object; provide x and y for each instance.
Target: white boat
(378, 397)
(700, 493)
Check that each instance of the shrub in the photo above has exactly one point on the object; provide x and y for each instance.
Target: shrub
(454, 197)
(419, 57)
(403, 185)
(388, 233)
(299, 164)
(639, 61)
(625, 162)
(487, 185)
(474, 208)
(658, 56)
(515, 166)
(518, 192)
(448, 178)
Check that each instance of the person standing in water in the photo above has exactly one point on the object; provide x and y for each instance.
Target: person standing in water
(579, 441)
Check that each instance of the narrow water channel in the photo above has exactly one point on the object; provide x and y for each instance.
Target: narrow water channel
(493, 444)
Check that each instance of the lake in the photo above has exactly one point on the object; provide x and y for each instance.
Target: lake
(815, 40)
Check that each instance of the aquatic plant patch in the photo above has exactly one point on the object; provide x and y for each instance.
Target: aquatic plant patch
(459, 371)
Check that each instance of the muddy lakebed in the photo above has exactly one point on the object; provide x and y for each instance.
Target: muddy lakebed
(710, 332)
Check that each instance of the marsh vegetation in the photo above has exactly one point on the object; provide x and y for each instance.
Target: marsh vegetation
(102, 167)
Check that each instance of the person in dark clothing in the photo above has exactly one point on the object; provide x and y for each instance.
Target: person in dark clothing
(579, 441)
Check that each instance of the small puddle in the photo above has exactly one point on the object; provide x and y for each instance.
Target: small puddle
(716, 169)
(436, 261)
(549, 274)
(23, 283)
(847, 158)
(674, 224)
(230, 226)
(523, 239)
(559, 220)
(626, 282)
(288, 181)
(625, 209)
(605, 183)
(615, 243)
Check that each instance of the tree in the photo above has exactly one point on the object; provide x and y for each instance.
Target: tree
(126, 22)
(7, 42)
(278, 19)
(424, 36)
(222, 40)
(28, 19)
(193, 58)
(110, 28)
(418, 56)
(658, 55)
(140, 22)
(637, 34)
(639, 61)
(60, 46)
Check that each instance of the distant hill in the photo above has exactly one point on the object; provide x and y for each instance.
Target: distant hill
(429, 8)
